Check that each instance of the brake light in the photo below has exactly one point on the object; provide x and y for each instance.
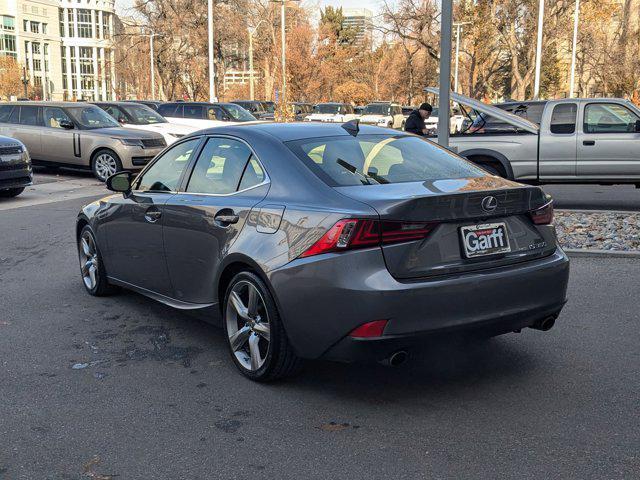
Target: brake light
(543, 215)
(351, 233)
(369, 329)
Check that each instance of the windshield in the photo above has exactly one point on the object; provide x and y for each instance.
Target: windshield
(377, 109)
(143, 115)
(375, 159)
(90, 116)
(330, 108)
(238, 113)
(270, 107)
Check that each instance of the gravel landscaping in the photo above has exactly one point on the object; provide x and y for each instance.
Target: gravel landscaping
(612, 231)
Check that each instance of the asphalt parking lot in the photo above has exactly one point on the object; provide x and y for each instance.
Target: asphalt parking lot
(125, 388)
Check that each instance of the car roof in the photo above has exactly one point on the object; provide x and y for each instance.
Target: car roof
(286, 132)
(46, 104)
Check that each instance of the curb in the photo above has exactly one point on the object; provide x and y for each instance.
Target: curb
(586, 211)
(592, 252)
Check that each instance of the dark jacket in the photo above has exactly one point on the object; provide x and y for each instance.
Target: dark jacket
(414, 123)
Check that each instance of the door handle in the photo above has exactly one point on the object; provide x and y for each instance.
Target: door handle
(589, 143)
(152, 215)
(226, 217)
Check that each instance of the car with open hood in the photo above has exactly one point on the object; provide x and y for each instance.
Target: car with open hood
(569, 140)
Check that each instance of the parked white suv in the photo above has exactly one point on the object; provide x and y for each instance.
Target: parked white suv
(331, 112)
(205, 115)
(383, 114)
(141, 117)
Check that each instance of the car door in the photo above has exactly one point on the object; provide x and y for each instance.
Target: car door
(202, 222)
(133, 225)
(60, 144)
(27, 122)
(608, 145)
(558, 142)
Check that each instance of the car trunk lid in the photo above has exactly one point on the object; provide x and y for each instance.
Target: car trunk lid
(452, 206)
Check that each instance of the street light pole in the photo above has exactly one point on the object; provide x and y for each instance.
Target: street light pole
(446, 17)
(251, 93)
(458, 26)
(536, 83)
(573, 51)
(153, 73)
(284, 55)
(212, 72)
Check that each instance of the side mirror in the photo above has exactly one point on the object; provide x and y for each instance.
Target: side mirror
(66, 124)
(637, 125)
(120, 182)
(122, 119)
(225, 118)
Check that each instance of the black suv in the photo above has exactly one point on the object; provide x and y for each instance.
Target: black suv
(15, 167)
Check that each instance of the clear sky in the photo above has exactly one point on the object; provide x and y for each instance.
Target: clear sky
(373, 5)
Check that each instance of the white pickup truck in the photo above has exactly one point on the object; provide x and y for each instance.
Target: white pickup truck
(571, 140)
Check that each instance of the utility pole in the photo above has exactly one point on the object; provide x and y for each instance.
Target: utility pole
(536, 83)
(576, 17)
(446, 17)
(458, 26)
(212, 71)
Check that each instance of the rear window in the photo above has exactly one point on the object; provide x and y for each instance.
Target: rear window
(375, 159)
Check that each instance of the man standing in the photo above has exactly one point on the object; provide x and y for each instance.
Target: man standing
(415, 121)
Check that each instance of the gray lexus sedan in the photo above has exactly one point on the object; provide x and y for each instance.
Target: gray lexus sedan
(342, 242)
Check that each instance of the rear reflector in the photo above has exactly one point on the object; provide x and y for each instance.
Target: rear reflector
(369, 329)
(543, 215)
(351, 233)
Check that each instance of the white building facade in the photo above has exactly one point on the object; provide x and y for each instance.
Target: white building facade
(65, 48)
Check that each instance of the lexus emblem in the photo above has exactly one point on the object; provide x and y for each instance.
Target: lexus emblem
(489, 204)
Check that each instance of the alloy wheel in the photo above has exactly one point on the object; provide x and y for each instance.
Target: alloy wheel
(248, 325)
(105, 165)
(89, 263)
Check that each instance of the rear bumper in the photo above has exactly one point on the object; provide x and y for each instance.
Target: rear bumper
(321, 300)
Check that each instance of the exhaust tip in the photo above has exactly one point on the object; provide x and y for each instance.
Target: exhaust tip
(545, 324)
(398, 358)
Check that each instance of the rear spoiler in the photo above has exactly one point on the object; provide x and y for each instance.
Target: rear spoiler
(490, 110)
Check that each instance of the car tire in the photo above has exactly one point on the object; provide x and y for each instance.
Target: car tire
(94, 276)
(11, 192)
(105, 163)
(260, 349)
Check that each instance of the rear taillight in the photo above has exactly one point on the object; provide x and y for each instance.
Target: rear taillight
(543, 215)
(351, 233)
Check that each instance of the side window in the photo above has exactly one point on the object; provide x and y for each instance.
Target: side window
(215, 113)
(609, 118)
(115, 112)
(193, 111)
(168, 110)
(563, 118)
(253, 175)
(53, 116)
(164, 174)
(219, 167)
(5, 112)
(15, 115)
(29, 115)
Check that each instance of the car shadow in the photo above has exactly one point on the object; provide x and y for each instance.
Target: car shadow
(440, 369)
